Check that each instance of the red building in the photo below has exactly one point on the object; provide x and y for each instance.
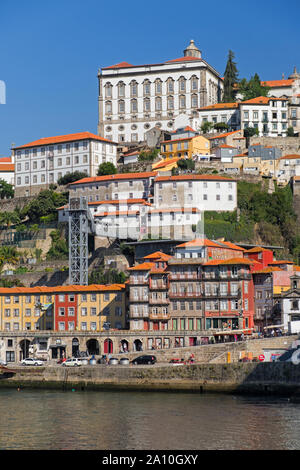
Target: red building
(65, 311)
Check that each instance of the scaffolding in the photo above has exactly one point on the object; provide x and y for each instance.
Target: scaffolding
(80, 225)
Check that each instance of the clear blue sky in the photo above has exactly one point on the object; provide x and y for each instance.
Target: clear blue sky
(50, 51)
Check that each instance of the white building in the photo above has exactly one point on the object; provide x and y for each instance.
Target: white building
(134, 98)
(287, 167)
(269, 115)
(42, 162)
(140, 205)
(290, 307)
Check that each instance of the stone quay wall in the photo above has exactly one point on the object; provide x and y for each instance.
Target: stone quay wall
(271, 378)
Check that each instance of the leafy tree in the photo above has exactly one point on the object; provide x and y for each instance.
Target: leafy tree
(148, 155)
(6, 190)
(45, 203)
(106, 168)
(252, 88)
(220, 126)
(230, 79)
(250, 132)
(71, 177)
(206, 126)
(186, 164)
(290, 132)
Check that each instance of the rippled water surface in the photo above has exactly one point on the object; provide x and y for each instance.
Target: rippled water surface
(39, 420)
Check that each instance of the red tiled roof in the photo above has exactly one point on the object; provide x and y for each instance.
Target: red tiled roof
(166, 163)
(268, 270)
(197, 242)
(192, 177)
(278, 83)
(7, 167)
(262, 100)
(256, 249)
(119, 66)
(184, 59)
(117, 176)
(226, 134)
(5, 160)
(220, 106)
(158, 254)
(232, 246)
(142, 267)
(71, 288)
(64, 138)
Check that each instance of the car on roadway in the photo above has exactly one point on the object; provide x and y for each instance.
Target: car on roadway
(144, 360)
(72, 362)
(31, 361)
(176, 361)
(3, 363)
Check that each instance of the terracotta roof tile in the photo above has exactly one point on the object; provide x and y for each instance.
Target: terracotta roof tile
(118, 176)
(63, 138)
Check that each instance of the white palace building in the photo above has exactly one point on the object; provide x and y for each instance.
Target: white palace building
(135, 98)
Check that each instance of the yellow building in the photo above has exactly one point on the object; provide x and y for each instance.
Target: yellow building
(185, 147)
(63, 308)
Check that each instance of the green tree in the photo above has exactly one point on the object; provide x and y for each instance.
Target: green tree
(186, 164)
(221, 126)
(206, 126)
(230, 79)
(252, 88)
(6, 190)
(71, 177)
(290, 132)
(148, 155)
(106, 168)
(250, 132)
(45, 203)
(9, 218)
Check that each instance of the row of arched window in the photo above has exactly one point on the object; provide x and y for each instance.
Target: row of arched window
(170, 86)
(157, 104)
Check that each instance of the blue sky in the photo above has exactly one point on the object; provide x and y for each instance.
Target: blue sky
(50, 51)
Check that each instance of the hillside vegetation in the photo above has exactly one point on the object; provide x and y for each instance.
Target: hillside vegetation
(261, 218)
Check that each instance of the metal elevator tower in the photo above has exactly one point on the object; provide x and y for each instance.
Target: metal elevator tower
(81, 223)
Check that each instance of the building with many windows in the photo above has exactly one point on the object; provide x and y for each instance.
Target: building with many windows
(42, 162)
(135, 98)
(63, 308)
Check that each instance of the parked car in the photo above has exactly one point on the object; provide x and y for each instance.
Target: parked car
(113, 361)
(144, 360)
(72, 362)
(3, 363)
(124, 361)
(30, 361)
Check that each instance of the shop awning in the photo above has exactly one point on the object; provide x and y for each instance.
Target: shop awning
(273, 326)
(233, 332)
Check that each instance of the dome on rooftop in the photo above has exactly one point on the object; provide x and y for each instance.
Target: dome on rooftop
(192, 50)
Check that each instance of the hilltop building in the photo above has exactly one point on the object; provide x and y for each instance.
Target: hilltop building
(135, 98)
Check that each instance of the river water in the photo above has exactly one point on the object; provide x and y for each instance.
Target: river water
(78, 420)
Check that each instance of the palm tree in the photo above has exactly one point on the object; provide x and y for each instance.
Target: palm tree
(9, 218)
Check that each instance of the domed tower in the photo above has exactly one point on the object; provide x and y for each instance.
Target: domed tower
(295, 74)
(192, 50)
